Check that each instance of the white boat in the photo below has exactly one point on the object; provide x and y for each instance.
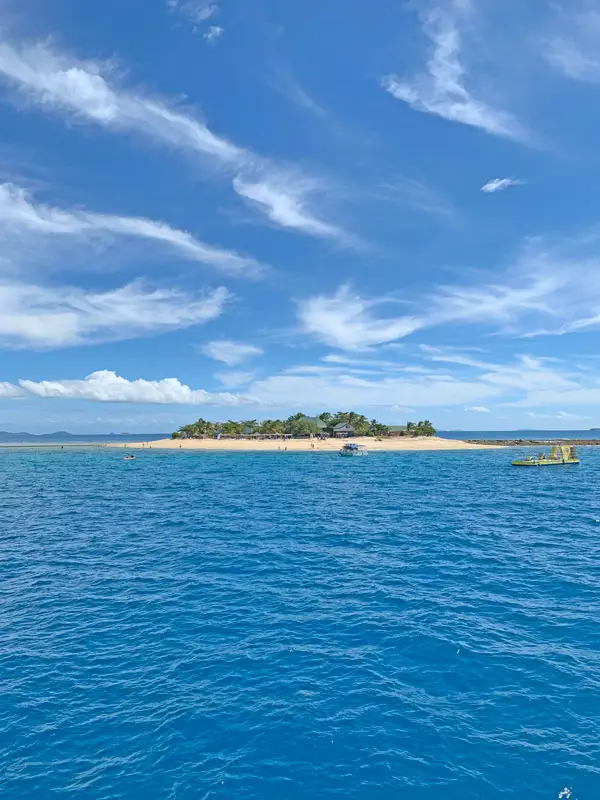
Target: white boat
(352, 449)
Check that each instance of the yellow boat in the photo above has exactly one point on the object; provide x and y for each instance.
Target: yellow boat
(559, 454)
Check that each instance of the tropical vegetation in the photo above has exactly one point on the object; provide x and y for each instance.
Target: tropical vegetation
(298, 425)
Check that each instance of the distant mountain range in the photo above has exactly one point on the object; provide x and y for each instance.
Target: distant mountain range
(6, 437)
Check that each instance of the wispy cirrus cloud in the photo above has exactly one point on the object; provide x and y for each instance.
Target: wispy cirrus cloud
(194, 11)
(287, 207)
(396, 393)
(442, 89)
(19, 212)
(231, 353)
(500, 184)
(572, 45)
(60, 83)
(527, 381)
(550, 288)
(350, 322)
(63, 316)
(417, 195)
(105, 386)
(283, 81)
(478, 409)
(561, 415)
(346, 320)
(233, 380)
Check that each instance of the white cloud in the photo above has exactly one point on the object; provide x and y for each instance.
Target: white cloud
(416, 195)
(442, 90)
(350, 391)
(213, 33)
(61, 83)
(195, 11)
(284, 203)
(541, 387)
(284, 82)
(9, 390)
(105, 386)
(529, 381)
(500, 184)
(572, 47)
(62, 316)
(562, 415)
(345, 320)
(231, 353)
(232, 380)
(64, 84)
(19, 212)
(348, 321)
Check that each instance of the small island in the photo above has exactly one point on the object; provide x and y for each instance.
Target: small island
(301, 433)
(343, 425)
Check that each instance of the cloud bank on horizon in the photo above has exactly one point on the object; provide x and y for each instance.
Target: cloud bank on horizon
(178, 230)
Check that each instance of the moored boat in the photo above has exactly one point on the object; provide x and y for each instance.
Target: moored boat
(352, 449)
(560, 454)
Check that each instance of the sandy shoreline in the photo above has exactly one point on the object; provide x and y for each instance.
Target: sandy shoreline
(305, 445)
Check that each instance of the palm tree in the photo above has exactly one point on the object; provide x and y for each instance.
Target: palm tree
(426, 428)
(188, 431)
(378, 428)
(291, 421)
(231, 428)
(274, 427)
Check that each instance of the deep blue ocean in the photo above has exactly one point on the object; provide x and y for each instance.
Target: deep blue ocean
(277, 625)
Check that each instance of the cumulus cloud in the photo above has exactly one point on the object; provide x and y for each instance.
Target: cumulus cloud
(231, 353)
(500, 184)
(63, 316)
(442, 88)
(60, 83)
(213, 33)
(539, 386)
(19, 212)
(9, 390)
(105, 386)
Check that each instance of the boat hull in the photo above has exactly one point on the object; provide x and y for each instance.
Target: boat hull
(544, 463)
(353, 455)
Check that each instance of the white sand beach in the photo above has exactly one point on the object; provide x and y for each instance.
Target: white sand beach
(307, 445)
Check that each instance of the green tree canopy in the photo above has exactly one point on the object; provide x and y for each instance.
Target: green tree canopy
(272, 427)
(298, 425)
(302, 427)
(231, 428)
(378, 428)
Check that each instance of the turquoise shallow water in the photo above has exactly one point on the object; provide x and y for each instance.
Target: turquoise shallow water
(215, 625)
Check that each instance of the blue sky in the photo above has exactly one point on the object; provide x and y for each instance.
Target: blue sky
(242, 210)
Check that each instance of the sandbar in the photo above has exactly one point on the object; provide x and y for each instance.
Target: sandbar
(406, 443)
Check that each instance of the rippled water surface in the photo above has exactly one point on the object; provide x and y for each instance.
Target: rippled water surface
(215, 625)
